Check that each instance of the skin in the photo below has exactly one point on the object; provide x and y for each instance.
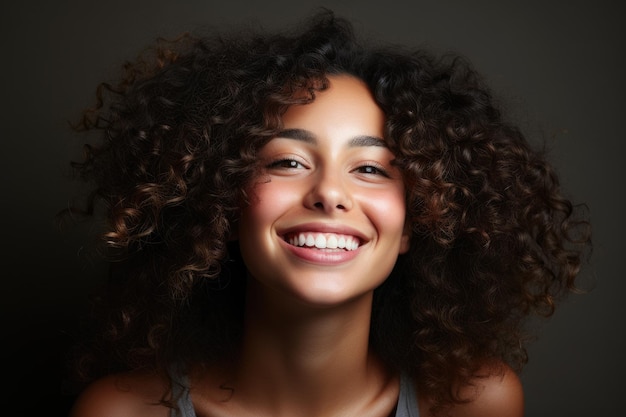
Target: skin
(305, 350)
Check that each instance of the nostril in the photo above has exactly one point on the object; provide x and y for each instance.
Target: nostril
(320, 205)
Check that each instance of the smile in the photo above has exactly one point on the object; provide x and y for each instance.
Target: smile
(323, 241)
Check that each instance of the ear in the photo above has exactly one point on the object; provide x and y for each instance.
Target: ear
(405, 239)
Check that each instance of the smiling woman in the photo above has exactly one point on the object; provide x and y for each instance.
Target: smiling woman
(299, 225)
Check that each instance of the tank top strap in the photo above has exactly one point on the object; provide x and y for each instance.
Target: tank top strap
(181, 395)
(407, 400)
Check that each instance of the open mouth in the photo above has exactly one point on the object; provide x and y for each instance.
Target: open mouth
(323, 241)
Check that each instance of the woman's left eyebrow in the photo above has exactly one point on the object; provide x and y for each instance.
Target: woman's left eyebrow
(366, 140)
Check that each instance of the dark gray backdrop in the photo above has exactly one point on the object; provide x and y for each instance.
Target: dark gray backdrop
(557, 65)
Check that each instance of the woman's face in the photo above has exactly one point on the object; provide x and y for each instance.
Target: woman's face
(327, 218)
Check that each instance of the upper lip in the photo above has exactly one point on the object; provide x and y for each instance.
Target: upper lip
(319, 227)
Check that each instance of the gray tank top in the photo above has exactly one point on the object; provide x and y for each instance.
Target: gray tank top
(407, 402)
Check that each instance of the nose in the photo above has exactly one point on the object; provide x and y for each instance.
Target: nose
(329, 193)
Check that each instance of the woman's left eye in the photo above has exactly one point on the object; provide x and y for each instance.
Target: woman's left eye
(372, 170)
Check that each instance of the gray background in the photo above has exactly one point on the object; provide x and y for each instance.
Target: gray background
(558, 67)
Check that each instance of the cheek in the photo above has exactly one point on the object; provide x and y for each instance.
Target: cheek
(388, 212)
(390, 209)
(269, 200)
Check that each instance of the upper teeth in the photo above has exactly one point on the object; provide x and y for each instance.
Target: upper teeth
(324, 241)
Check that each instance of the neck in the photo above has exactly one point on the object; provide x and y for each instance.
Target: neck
(309, 358)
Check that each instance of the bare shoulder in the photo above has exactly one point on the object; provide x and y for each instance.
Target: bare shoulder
(123, 395)
(498, 392)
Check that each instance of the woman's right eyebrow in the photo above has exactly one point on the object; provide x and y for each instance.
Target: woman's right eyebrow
(298, 134)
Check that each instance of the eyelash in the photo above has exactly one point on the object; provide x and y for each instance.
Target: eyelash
(376, 168)
(285, 163)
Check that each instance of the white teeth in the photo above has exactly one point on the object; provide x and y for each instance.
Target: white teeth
(324, 241)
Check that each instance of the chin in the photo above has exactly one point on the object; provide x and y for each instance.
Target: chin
(327, 295)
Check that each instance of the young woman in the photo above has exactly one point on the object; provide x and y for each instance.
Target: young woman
(300, 225)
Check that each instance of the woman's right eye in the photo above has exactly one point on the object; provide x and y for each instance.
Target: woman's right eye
(285, 163)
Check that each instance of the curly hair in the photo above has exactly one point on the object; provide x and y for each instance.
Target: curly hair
(493, 239)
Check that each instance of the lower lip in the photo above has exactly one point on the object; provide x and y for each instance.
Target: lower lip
(322, 256)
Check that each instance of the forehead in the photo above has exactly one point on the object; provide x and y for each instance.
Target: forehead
(346, 102)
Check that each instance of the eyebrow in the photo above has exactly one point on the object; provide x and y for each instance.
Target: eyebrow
(308, 137)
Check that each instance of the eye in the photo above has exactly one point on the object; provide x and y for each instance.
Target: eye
(372, 169)
(285, 163)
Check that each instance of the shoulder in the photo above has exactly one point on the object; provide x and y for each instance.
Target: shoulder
(123, 395)
(496, 392)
